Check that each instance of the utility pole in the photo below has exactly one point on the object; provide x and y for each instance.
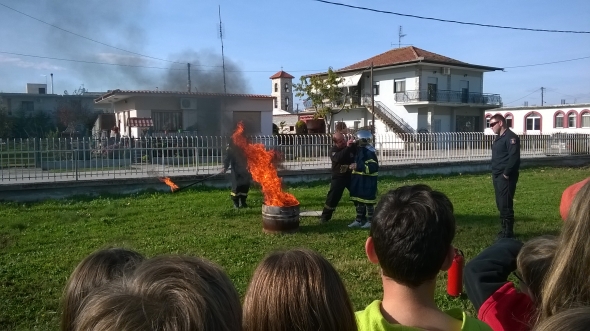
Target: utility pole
(372, 104)
(542, 90)
(188, 66)
(222, 56)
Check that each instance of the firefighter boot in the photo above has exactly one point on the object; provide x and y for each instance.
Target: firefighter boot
(243, 202)
(236, 202)
(326, 215)
(508, 228)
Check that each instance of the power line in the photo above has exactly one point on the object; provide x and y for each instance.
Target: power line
(523, 97)
(450, 21)
(541, 64)
(140, 66)
(81, 36)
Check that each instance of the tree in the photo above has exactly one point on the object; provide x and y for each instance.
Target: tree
(74, 116)
(6, 122)
(324, 94)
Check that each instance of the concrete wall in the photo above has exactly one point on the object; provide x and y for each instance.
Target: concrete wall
(547, 118)
(41, 191)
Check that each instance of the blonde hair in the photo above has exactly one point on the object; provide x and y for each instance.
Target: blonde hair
(533, 262)
(166, 293)
(573, 319)
(297, 289)
(567, 283)
(97, 269)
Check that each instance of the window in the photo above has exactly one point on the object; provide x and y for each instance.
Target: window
(509, 122)
(533, 122)
(376, 88)
(276, 103)
(41, 90)
(586, 120)
(488, 117)
(287, 103)
(559, 121)
(276, 88)
(291, 128)
(286, 87)
(357, 124)
(167, 120)
(571, 120)
(399, 85)
(28, 106)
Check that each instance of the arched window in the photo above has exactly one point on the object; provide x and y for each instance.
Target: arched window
(571, 119)
(276, 103)
(585, 118)
(276, 88)
(558, 120)
(532, 122)
(286, 87)
(509, 120)
(488, 117)
(287, 103)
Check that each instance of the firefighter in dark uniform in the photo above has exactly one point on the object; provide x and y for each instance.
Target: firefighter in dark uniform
(240, 177)
(342, 155)
(505, 167)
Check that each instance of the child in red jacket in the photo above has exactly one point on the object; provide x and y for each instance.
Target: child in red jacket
(497, 300)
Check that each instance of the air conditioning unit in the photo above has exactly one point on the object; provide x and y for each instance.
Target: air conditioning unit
(446, 71)
(186, 103)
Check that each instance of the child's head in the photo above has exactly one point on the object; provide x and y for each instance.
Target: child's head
(94, 271)
(166, 293)
(411, 235)
(567, 284)
(573, 319)
(533, 263)
(297, 290)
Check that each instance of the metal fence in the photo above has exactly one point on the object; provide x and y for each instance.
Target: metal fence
(49, 160)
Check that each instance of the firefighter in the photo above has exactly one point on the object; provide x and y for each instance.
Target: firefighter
(363, 182)
(342, 155)
(240, 177)
(505, 170)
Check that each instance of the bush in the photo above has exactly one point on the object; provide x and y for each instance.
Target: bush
(301, 127)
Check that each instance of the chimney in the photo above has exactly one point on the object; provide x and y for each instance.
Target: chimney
(52, 83)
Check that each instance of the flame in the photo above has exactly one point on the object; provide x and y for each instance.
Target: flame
(169, 182)
(260, 165)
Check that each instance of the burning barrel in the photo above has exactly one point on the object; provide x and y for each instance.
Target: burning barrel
(280, 219)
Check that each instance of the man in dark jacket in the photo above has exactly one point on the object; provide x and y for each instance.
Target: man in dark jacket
(240, 177)
(342, 155)
(505, 166)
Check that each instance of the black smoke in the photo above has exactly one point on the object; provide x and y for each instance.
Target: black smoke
(117, 23)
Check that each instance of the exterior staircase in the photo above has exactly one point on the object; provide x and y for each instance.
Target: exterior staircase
(392, 120)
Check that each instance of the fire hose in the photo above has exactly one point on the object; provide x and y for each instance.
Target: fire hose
(198, 181)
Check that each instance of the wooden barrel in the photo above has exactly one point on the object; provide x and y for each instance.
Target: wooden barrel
(280, 219)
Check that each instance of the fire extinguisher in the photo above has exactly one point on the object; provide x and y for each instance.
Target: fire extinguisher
(455, 275)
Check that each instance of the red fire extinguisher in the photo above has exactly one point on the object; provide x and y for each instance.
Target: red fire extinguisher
(455, 275)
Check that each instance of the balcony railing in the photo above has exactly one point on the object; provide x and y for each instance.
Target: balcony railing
(448, 96)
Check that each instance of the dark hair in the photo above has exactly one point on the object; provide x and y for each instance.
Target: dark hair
(500, 118)
(180, 293)
(297, 290)
(412, 231)
(95, 270)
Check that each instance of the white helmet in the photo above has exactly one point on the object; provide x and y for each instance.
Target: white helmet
(363, 137)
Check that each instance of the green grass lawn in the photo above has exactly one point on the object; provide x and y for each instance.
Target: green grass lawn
(41, 243)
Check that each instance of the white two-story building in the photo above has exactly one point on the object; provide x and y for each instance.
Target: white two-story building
(416, 91)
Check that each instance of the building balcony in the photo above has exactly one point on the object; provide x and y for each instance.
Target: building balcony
(445, 96)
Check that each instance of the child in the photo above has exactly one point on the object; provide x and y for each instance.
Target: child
(180, 293)
(95, 270)
(410, 240)
(363, 181)
(574, 319)
(297, 290)
(496, 299)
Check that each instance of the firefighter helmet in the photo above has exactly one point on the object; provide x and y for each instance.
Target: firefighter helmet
(363, 137)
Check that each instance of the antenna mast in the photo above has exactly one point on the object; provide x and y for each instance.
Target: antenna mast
(400, 35)
(222, 56)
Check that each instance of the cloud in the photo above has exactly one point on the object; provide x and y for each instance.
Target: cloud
(18, 62)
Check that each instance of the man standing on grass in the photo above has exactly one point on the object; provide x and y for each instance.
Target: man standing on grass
(240, 176)
(342, 155)
(505, 167)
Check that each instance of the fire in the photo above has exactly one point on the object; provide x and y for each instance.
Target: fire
(169, 182)
(260, 165)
